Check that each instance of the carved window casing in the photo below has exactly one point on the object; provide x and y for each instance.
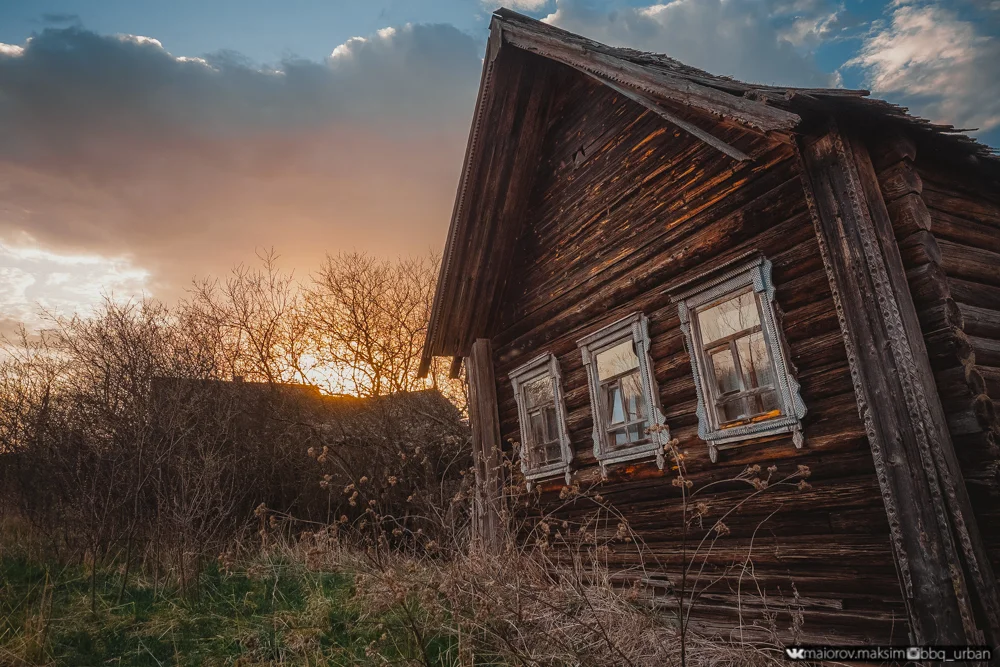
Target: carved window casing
(741, 371)
(545, 447)
(624, 400)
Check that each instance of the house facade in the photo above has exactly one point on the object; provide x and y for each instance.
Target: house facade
(654, 273)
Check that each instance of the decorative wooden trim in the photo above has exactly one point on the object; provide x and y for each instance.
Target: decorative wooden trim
(543, 366)
(899, 153)
(485, 421)
(731, 278)
(907, 436)
(636, 328)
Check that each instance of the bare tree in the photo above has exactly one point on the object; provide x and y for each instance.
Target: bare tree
(369, 317)
(123, 440)
(255, 321)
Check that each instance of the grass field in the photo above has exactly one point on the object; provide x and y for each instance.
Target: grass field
(274, 612)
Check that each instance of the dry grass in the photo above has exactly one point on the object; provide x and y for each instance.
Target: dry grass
(518, 607)
(321, 600)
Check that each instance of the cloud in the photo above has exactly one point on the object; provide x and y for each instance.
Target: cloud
(942, 66)
(809, 23)
(32, 279)
(111, 146)
(751, 41)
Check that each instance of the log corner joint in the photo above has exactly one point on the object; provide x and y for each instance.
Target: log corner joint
(932, 528)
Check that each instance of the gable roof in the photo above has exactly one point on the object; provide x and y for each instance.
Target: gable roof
(526, 32)
(513, 96)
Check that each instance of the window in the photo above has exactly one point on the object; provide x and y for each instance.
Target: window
(545, 448)
(741, 374)
(624, 400)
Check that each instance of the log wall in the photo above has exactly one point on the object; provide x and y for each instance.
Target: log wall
(947, 224)
(624, 205)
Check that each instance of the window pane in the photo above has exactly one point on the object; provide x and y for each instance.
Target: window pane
(755, 360)
(551, 424)
(537, 428)
(618, 437)
(632, 391)
(637, 432)
(733, 410)
(729, 317)
(553, 453)
(539, 392)
(724, 368)
(617, 360)
(769, 402)
(615, 410)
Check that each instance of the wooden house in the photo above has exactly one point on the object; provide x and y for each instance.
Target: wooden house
(646, 259)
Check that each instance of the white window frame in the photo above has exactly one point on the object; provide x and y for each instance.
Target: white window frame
(543, 366)
(635, 327)
(756, 274)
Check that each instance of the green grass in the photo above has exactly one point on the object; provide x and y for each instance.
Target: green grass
(282, 614)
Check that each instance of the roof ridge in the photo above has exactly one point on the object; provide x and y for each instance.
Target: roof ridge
(777, 97)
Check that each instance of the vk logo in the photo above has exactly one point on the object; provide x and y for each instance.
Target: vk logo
(796, 653)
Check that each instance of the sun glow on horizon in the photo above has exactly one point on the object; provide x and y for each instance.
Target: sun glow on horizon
(331, 379)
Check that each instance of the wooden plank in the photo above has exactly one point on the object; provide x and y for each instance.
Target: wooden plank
(472, 287)
(485, 446)
(659, 110)
(674, 88)
(906, 432)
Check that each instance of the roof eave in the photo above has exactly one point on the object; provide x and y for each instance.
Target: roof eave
(492, 49)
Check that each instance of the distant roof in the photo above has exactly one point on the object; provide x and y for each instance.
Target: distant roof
(474, 253)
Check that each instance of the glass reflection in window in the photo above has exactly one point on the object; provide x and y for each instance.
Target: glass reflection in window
(738, 356)
(543, 427)
(621, 391)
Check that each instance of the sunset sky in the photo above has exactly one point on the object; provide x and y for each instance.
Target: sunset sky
(144, 143)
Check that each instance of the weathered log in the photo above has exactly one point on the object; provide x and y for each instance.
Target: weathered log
(987, 350)
(928, 285)
(945, 315)
(970, 264)
(891, 149)
(974, 294)
(961, 206)
(965, 232)
(909, 214)
(983, 322)
(899, 180)
(919, 248)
